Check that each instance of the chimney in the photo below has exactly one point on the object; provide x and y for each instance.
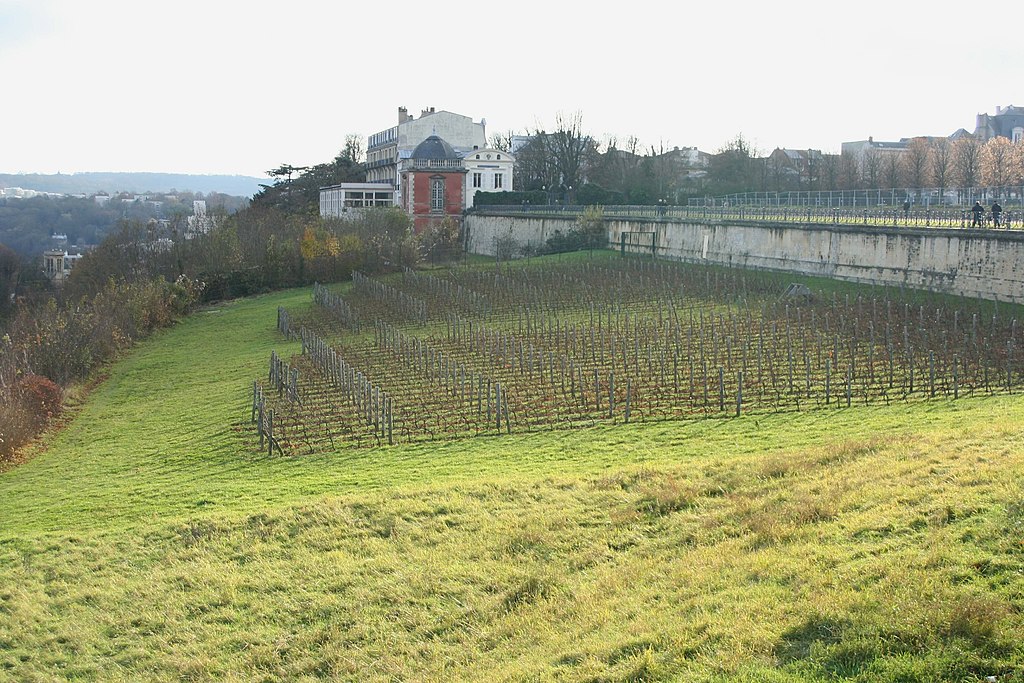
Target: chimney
(403, 115)
(870, 139)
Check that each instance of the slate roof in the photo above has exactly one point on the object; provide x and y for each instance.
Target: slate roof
(434, 148)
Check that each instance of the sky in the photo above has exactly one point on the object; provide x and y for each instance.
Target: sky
(225, 86)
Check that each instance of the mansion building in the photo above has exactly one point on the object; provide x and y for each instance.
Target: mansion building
(431, 167)
(387, 149)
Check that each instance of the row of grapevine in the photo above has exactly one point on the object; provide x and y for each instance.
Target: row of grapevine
(583, 343)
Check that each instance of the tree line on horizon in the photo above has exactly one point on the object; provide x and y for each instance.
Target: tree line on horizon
(624, 171)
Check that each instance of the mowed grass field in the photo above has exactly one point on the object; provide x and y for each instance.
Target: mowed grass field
(148, 540)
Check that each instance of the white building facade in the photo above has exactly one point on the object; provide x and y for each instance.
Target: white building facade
(346, 200)
(487, 170)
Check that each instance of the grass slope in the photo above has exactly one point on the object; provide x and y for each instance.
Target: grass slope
(148, 540)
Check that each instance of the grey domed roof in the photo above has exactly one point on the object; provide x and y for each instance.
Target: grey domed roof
(434, 148)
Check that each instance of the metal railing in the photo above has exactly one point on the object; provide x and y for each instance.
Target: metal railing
(913, 218)
(921, 198)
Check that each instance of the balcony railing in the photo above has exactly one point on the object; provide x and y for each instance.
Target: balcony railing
(440, 164)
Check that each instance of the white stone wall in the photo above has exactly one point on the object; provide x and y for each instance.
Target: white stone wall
(484, 232)
(985, 264)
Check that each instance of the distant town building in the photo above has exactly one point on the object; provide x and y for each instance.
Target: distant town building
(1007, 122)
(199, 223)
(518, 142)
(388, 148)
(795, 168)
(860, 148)
(19, 193)
(685, 165)
(58, 263)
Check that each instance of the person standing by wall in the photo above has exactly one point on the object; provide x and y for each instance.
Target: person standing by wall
(997, 211)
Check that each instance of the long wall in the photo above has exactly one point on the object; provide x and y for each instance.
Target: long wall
(982, 263)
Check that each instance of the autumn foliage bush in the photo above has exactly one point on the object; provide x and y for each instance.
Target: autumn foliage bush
(52, 344)
(25, 410)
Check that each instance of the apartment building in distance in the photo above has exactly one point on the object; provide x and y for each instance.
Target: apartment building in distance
(386, 150)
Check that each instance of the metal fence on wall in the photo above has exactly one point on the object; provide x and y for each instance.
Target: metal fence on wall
(919, 198)
(916, 217)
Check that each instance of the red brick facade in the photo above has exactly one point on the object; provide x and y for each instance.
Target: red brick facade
(417, 194)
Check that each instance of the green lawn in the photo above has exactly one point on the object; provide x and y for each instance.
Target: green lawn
(148, 540)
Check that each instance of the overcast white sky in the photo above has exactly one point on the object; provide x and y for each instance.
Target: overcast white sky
(225, 86)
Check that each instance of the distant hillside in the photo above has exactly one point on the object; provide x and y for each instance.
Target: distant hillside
(93, 182)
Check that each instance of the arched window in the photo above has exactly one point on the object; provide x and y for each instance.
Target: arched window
(437, 194)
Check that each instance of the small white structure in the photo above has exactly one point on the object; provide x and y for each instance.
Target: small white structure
(348, 199)
(199, 223)
(487, 170)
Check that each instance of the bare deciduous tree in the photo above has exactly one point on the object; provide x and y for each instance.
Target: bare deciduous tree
(997, 162)
(892, 170)
(353, 150)
(940, 164)
(915, 164)
(567, 146)
(849, 171)
(503, 141)
(1017, 165)
(966, 161)
(829, 171)
(871, 168)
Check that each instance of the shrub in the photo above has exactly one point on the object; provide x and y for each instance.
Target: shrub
(25, 410)
(41, 397)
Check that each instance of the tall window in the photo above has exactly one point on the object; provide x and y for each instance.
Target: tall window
(437, 194)
(497, 181)
(478, 180)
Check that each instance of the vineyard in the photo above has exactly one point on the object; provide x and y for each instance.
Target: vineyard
(465, 352)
